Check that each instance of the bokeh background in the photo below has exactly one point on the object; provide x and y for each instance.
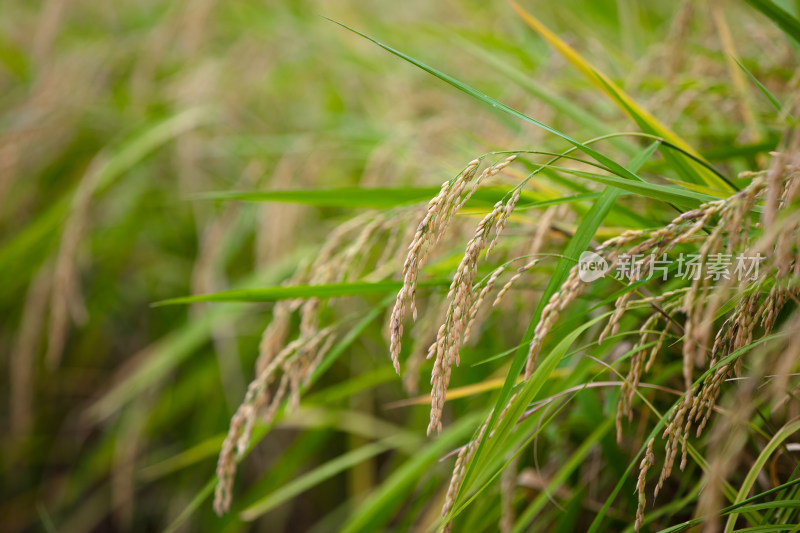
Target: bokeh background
(117, 118)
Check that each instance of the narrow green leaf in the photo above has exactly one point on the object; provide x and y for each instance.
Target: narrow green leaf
(194, 505)
(272, 294)
(610, 164)
(378, 198)
(784, 433)
(316, 476)
(162, 356)
(360, 197)
(562, 105)
(31, 245)
(767, 94)
(338, 349)
(560, 477)
(597, 522)
(672, 195)
(376, 509)
(577, 244)
(479, 465)
(782, 18)
(745, 504)
(196, 453)
(367, 198)
(646, 121)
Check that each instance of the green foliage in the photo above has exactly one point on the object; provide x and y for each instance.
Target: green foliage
(167, 170)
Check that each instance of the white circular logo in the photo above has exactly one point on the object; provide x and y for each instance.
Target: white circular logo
(591, 266)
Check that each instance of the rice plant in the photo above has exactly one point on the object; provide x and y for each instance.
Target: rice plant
(518, 267)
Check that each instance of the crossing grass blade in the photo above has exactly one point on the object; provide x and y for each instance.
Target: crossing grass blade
(782, 18)
(338, 349)
(562, 475)
(314, 477)
(272, 294)
(777, 440)
(667, 194)
(479, 471)
(577, 244)
(32, 245)
(157, 360)
(766, 92)
(377, 508)
(560, 104)
(645, 120)
(360, 197)
(610, 164)
(662, 420)
(745, 505)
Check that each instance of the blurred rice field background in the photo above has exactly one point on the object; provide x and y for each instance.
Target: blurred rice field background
(122, 126)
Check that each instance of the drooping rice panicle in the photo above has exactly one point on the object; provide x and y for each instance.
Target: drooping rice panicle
(644, 466)
(284, 368)
(450, 335)
(452, 196)
(520, 271)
